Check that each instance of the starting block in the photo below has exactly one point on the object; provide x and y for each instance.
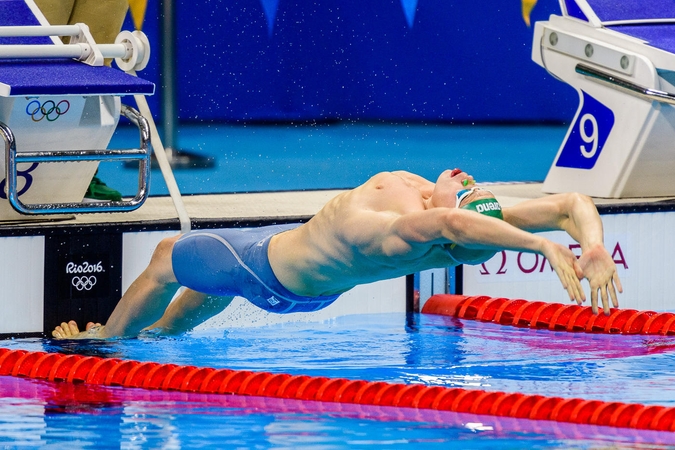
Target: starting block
(620, 57)
(59, 107)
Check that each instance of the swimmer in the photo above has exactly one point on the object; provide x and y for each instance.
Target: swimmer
(395, 224)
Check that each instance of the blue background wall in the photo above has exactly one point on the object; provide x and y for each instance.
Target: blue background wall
(393, 60)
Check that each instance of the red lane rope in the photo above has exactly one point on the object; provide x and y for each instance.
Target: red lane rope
(552, 316)
(150, 375)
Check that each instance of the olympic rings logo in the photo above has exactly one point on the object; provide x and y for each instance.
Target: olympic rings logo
(49, 110)
(83, 283)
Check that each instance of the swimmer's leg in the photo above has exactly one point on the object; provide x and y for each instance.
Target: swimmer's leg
(144, 302)
(188, 310)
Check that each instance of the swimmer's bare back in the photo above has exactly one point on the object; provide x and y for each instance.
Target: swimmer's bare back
(70, 330)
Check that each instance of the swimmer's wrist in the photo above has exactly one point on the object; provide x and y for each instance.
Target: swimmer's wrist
(588, 245)
(542, 245)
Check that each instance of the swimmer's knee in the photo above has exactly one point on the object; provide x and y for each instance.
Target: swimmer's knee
(165, 248)
(160, 263)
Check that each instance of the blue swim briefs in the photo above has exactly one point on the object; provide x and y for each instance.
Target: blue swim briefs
(233, 261)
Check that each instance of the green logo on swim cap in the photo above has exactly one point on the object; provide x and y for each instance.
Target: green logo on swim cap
(487, 206)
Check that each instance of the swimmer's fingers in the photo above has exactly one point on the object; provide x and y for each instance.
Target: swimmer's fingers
(605, 299)
(576, 291)
(612, 295)
(564, 262)
(594, 300)
(579, 294)
(604, 296)
(578, 276)
(617, 282)
(608, 292)
(572, 285)
(565, 269)
(613, 285)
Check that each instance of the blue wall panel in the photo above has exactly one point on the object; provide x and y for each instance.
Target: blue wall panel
(450, 61)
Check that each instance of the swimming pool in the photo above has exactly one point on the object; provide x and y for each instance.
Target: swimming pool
(433, 350)
(254, 158)
(384, 347)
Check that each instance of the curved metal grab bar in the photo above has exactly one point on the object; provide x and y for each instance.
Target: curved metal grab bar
(142, 155)
(624, 85)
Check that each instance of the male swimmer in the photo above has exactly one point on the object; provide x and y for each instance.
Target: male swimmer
(395, 224)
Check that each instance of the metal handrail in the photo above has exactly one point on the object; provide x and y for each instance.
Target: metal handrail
(142, 155)
(624, 85)
(39, 30)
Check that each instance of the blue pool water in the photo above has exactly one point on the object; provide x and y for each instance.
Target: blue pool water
(432, 350)
(255, 158)
(429, 349)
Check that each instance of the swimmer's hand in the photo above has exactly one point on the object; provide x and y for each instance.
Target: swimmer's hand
(70, 330)
(565, 264)
(599, 269)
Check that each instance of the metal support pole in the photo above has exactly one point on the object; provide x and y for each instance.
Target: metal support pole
(177, 158)
(168, 76)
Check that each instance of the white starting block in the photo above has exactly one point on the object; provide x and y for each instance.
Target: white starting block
(620, 57)
(59, 107)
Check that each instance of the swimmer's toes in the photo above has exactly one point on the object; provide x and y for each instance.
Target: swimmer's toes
(71, 328)
(91, 325)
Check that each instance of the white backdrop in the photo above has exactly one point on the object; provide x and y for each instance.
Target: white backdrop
(642, 245)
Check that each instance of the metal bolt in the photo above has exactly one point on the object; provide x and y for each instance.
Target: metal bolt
(588, 50)
(624, 62)
(553, 38)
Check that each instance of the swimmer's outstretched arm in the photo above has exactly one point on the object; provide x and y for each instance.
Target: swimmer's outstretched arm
(471, 230)
(577, 215)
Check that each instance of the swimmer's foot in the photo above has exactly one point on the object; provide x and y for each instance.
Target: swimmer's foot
(70, 330)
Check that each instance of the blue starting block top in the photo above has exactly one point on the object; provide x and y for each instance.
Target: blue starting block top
(634, 10)
(645, 20)
(57, 76)
(661, 36)
(62, 77)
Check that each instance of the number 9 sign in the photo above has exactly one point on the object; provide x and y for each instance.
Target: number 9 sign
(587, 135)
(591, 140)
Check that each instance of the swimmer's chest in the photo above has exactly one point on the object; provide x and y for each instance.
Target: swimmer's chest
(396, 197)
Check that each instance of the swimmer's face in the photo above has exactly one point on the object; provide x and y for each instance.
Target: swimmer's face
(448, 184)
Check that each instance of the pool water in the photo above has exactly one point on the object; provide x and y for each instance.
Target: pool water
(281, 157)
(433, 350)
